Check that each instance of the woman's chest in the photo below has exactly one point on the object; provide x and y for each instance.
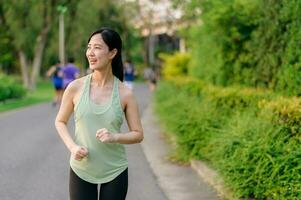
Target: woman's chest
(100, 96)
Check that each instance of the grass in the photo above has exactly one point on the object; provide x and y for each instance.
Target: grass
(254, 146)
(43, 93)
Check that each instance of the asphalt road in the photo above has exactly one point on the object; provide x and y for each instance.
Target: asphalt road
(34, 163)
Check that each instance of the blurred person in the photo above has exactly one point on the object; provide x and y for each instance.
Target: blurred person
(99, 101)
(56, 74)
(129, 74)
(150, 75)
(71, 72)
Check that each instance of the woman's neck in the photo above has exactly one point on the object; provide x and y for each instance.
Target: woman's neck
(102, 77)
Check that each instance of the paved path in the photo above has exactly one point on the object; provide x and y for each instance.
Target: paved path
(178, 182)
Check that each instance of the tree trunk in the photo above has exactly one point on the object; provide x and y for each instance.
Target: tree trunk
(38, 54)
(151, 49)
(41, 42)
(62, 39)
(24, 68)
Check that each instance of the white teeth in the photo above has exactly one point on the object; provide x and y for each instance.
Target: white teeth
(92, 60)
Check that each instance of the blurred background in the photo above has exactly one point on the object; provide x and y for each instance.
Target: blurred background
(35, 35)
(226, 75)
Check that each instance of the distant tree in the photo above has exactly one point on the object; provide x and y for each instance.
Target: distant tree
(30, 26)
(29, 23)
(7, 50)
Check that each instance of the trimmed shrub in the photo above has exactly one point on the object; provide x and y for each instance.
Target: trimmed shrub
(252, 137)
(252, 43)
(284, 112)
(175, 64)
(10, 88)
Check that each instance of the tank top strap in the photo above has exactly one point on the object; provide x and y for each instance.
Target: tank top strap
(87, 82)
(116, 99)
(115, 89)
(86, 88)
(84, 96)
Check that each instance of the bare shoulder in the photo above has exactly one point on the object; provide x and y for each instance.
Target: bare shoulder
(125, 93)
(75, 85)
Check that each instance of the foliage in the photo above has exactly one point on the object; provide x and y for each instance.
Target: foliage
(284, 112)
(10, 88)
(22, 21)
(85, 21)
(6, 51)
(253, 43)
(175, 64)
(251, 136)
(25, 20)
(43, 93)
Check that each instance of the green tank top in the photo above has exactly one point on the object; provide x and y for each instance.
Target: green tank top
(105, 161)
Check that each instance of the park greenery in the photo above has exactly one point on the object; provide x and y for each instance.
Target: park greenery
(251, 43)
(30, 40)
(175, 64)
(10, 89)
(43, 93)
(236, 104)
(232, 100)
(250, 136)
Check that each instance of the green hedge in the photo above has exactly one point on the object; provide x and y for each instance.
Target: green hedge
(175, 64)
(252, 137)
(10, 88)
(248, 42)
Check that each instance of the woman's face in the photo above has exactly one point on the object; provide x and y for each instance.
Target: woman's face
(98, 53)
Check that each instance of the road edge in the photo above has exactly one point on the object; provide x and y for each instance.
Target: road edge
(156, 151)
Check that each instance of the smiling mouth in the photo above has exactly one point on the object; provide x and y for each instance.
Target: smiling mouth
(92, 61)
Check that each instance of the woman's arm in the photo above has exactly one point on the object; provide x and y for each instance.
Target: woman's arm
(133, 120)
(62, 118)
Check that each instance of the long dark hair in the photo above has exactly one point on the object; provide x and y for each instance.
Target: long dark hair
(113, 40)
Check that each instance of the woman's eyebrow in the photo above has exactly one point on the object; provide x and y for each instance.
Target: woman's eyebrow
(95, 44)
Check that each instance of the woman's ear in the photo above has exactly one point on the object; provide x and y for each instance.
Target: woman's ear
(113, 53)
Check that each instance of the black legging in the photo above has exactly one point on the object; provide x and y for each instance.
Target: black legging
(113, 190)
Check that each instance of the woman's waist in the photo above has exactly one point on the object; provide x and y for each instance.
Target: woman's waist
(102, 158)
(96, 146)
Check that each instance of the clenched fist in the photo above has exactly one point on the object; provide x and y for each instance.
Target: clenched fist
(105, 136)
(79, 152)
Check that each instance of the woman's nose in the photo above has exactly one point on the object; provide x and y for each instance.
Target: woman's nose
(90, 52)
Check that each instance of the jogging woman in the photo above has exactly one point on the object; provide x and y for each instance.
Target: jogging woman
(99, 102)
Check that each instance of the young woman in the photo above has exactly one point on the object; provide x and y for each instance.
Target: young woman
(99, 101)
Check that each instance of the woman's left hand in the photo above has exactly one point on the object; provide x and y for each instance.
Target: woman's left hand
(105, 136)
